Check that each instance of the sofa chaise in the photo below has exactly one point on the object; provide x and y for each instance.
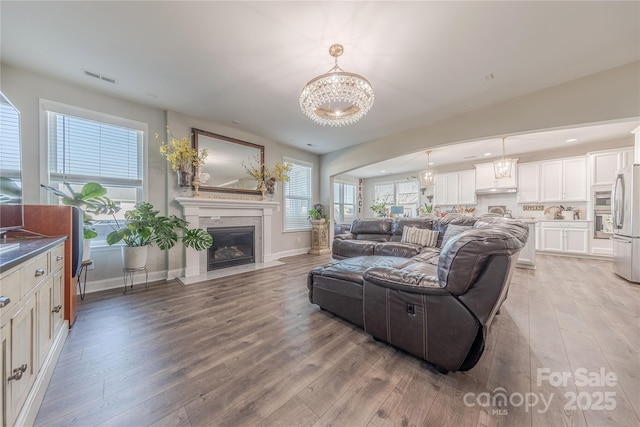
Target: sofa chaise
(437, 304)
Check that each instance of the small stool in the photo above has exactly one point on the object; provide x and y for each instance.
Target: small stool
(130, 272)
(84, 267)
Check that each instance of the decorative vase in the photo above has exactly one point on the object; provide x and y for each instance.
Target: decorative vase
(134, 257)
(271, 186)
(184, 182)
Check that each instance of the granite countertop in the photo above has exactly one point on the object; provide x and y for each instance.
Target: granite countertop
(20, 250)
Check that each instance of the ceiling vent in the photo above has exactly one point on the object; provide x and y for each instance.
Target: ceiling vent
(100, 77)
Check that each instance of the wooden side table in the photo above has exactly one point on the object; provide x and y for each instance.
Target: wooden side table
(84, 267)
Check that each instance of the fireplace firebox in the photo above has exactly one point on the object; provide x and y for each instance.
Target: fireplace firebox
(231, 246)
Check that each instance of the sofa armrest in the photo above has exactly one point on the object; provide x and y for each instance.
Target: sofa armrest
(345, 236)
(405, 279)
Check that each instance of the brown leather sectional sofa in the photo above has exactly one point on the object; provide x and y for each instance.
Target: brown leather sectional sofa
(438, 303)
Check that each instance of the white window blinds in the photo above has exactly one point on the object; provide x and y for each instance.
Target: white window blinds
(83, 150)
(297, 196)
(9, 141)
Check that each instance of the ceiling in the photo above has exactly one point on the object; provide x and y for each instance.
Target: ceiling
(243, 64)
(488, 150)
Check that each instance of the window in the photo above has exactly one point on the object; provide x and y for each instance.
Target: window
(402, 193)
(344, 205)
(297, 196)
(85, 146)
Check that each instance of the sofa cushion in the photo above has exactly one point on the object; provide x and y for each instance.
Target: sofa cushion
(400, 223)
(372, 226)
(422, 237)
(405, 250)
(452, 231)
(351, 248)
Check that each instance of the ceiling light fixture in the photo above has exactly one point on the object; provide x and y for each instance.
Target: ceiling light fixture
(428, 177)
(502, 167)
(336, 98)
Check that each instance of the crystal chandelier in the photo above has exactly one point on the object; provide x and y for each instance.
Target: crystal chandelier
(336, 98)
(502, 167)
(428, 177)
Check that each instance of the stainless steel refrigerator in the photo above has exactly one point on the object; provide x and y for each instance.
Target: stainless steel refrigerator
(625, 211)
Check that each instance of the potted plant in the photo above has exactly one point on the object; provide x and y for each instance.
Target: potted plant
(316, 213)
(92, 200)
(144, 227)
(380, 208)
(266, 179)
(184, 158)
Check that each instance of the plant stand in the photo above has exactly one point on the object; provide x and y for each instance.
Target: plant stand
(130, 272)
(319, 237)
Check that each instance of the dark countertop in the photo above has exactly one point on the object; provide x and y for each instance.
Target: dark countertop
(27, 248)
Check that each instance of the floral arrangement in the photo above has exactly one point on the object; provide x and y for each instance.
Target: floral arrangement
(181, 154)
(265, 176)
(426, 209)
(380, 207)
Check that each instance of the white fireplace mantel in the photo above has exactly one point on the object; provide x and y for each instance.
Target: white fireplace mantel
(195, 208)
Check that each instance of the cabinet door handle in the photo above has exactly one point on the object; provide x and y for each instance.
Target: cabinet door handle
(57, 309)
(59, 257)
(39, 272)
(17, 373)
(4, 301)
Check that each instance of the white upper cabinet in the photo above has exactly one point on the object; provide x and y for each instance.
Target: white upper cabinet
(529, 183)
(456, 188)
(467, 186)
(604, 164)
(563, 180)
(486, 178)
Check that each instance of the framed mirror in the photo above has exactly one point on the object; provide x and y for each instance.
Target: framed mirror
(224, 162)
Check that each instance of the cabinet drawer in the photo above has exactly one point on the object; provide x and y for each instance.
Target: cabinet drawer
(57, 258)
(10, 288)
(34, 271)
(564, 224)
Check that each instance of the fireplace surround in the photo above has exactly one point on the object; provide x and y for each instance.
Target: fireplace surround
(207, 212)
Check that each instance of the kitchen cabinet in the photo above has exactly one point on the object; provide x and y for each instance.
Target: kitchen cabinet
(563, 180)
(527, 255)
(528, 183)
(456, 188)
(486, 180)
(570, 237)
(32, 329)
(604, 164)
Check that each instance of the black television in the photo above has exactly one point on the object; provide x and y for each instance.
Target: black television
(11, 202)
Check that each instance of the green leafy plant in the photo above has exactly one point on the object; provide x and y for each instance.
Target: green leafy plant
(91, 199)
(144, 226)
(380, 207)
(426, 209)
(315, 214)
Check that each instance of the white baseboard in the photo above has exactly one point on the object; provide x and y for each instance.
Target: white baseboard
(292, 252)
(118, 282)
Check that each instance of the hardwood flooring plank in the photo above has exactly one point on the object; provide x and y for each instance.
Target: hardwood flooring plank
(250, 349)
(294, 413)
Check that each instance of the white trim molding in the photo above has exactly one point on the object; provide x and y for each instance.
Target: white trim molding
(199, 209)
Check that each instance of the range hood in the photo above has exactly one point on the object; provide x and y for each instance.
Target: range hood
(497, 190)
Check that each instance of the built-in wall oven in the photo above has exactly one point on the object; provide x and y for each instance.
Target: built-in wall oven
(602, 221)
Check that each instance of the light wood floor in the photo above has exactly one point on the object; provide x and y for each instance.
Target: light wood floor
(251, 350)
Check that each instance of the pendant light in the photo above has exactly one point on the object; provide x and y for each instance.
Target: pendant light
(502, 168)
(428, 177)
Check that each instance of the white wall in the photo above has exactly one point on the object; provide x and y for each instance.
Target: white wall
(25, 89)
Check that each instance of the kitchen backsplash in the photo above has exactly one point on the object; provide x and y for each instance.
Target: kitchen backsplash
(509, 202)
